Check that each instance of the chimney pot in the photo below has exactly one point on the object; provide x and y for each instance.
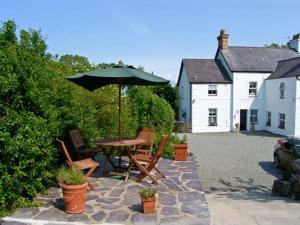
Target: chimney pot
(223, 39)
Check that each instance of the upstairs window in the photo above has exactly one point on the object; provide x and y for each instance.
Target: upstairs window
(212, 90)
(252, 88)
(281, 90)
(253, 116)
(281, 124)
(212, 117)
(268, 123)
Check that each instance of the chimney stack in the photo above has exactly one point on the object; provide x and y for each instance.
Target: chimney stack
(295, 42)
(223, 39)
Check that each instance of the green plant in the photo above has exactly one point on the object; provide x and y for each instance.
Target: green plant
(183, 140)
(151, 111)
(148, 193)
(70, 176)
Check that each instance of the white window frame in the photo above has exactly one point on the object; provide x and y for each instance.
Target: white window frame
(282, 90)
(213, 114)
(253, 116)
(281, 121)
(213, 88)
(252, 88)
(269, 119)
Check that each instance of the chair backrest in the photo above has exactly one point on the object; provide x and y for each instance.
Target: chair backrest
(76, 139)
(148, 135)
(65, 152)
(159, 152)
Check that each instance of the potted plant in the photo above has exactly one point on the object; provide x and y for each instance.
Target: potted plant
(148, 199)
(74, 188)
(180, 147)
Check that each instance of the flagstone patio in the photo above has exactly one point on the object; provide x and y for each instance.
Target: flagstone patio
(180, 201)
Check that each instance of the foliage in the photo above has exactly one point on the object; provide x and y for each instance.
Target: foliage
(70, 176)
(151, 111)
(178, 140)
(170, 94)
(148, 193)
(276, 45)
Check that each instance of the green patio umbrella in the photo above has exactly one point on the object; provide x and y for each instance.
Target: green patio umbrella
(119, 74)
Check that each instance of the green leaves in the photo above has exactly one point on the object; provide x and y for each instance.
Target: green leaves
(151, 111)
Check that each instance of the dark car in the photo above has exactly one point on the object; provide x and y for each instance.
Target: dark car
(286, 151)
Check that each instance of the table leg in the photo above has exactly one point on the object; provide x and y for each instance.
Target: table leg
(110, 161)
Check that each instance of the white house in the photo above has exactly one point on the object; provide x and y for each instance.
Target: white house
(256, 88)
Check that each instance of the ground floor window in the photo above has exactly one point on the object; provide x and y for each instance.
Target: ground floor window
(253, 116)
(212, 117)
(268, 123)
(281, 124)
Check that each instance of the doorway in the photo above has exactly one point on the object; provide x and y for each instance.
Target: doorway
(243, 119)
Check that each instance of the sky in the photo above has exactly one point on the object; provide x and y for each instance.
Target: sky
(154, 34)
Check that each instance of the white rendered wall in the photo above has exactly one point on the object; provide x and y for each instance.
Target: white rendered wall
(201, 102)
(297, 105)
(276, 105)
(184, 97)
(242, 100)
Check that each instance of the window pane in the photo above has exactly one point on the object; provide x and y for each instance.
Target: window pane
(212, 89)
(212, 116)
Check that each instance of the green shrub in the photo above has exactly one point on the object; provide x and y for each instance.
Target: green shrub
(70, 176)
(151, 111)
(148, 193)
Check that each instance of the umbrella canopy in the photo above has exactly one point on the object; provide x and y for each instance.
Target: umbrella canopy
(119, 74)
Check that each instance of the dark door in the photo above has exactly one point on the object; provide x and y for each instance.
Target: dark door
(243, 119)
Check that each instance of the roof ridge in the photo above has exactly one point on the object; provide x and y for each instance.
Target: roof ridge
(258, 47)
(195, 59)
(297, 57)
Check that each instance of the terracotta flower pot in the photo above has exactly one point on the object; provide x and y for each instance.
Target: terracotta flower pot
(149, 205)
(74, 197)
(180, 152)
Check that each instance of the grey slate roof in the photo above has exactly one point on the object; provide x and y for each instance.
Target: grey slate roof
(286, 68)
(205, 71)
(255, 59)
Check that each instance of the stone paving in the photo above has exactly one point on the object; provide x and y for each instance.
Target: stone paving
(181, 200)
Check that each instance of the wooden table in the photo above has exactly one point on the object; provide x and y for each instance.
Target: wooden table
(118, 143)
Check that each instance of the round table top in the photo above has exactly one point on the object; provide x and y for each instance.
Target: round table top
(121, 142)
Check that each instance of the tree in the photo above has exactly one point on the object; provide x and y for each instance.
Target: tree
(169, 93)
(275, 45)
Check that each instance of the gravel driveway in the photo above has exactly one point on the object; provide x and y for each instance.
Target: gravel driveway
(230, 162)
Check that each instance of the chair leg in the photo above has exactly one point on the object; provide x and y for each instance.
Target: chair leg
(91, 170)
(159, 171)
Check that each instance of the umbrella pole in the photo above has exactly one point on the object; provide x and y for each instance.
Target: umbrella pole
(120, 111)
(120, 160)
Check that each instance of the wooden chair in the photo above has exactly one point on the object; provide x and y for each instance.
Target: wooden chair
(83, 164)
(148, 135)
(151, 162)
(80, 146)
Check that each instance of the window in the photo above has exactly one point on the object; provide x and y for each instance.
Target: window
(253, 116)
(281, 90)
(268, 123)
(252, 88)
(212, 90)
(212, 117)
(281, 124)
